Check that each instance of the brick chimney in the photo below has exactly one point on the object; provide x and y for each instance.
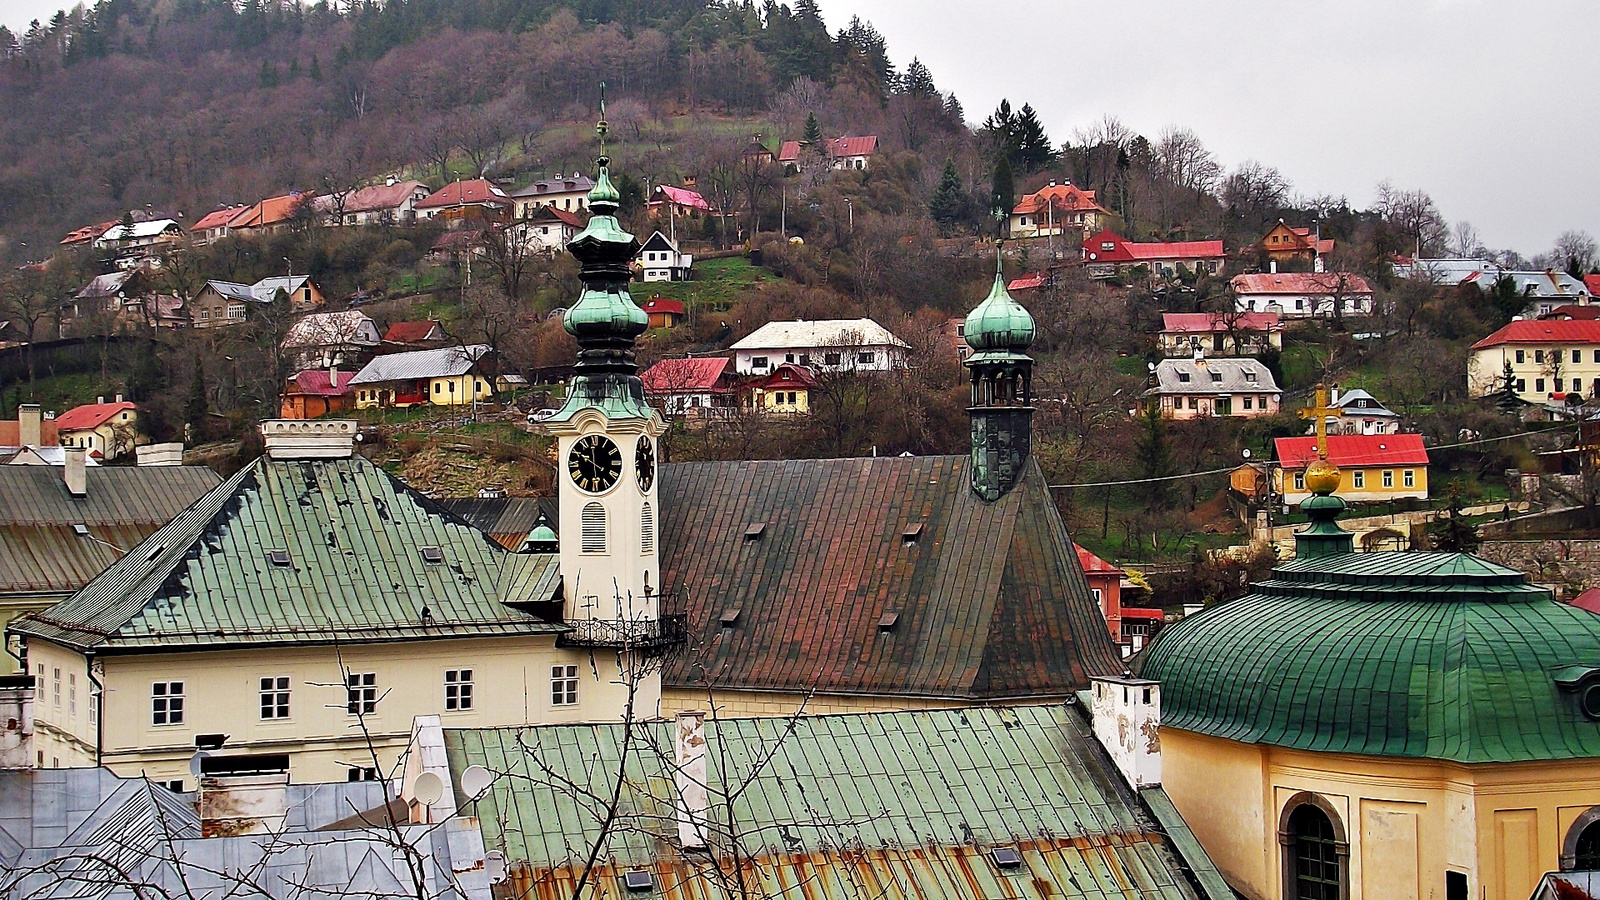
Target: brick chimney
(73, 471)
(28, 419)
(691, 779)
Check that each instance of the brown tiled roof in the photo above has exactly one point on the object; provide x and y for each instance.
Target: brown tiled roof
(988, 601)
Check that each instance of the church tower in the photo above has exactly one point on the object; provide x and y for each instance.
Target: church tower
(606, 443)
(999, 331)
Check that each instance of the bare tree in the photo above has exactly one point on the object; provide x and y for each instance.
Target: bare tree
(436, 140)
(1414, 215)
(1465, 241)
(1254, 190)
(1576, 252)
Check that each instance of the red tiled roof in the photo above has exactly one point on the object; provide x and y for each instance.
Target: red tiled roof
(663, 305)
(1208, 323)
(1592, 282)
(853, 146)
(789, 151)
(1588, 600)
(458, 240)
(1573, 311)
(788, 375)
(1064, 196)
(1027, 282)
(1299, 283)
(270, 211)
(317, 383)
(1094, 565)
(90, 415)
(466, 193)
(1135, 612)
(11, 433)
(701, 373)
(410, 332)
(1354, 450)
(82, 235)
(1544, 331)
(381, 196)
(684, 196)
(1129, 251)
(216, 218)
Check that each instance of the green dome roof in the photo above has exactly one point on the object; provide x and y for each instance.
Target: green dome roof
(999, 323)
(1427, 655)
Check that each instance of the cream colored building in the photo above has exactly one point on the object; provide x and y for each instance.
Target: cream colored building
(445, 376)
(107, 430)
(1548, 360)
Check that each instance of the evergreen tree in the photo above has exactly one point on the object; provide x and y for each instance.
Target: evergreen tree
(194, 411)
(950, 203)
(1031, 146)
(813, 133)
(1003, 196)
(1506, 398)
(918, 81)
(952, 108)
(1152, 454)
(1001, 129)
(1453, 533)
(1506, 299)
(861, 37)
(316, 68)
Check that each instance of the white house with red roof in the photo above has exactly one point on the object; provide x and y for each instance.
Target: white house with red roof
(460, 201)
(1056, 208)
(1303, 295)
(697, 386)
(213, 226)
(1372, 467)
(1220, 333)
(1108, 253)
(391, 203)
(106, 429)
(677, 201)
(549, 229)
(1549, 359)
(840, 153)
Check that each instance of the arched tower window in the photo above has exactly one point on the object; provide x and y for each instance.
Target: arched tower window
(1580, 852)
(647, 530)
(1316, 853)
(594, 529)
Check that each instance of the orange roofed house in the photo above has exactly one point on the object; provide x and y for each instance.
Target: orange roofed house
(1054, 209)
(107, 429)
(1285, 243)
(270, 216)
(318, 392)
(477, 200)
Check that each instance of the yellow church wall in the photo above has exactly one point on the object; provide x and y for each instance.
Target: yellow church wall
(1407, 821)
(511, 686)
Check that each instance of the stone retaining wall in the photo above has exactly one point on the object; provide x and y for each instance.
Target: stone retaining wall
(1568, 566)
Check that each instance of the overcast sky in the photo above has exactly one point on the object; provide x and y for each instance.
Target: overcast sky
(1492, 107)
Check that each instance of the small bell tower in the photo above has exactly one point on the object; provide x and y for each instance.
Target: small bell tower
(999, 331)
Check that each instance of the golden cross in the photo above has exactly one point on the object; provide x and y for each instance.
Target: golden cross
(1319, 413)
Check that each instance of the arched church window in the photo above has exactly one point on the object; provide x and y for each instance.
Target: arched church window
(1314, 855)
(1580, 852)
(594, 529)
(647, 530)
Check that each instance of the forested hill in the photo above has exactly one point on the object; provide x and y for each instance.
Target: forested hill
(182, 106)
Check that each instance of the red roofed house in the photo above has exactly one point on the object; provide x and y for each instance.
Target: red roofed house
(1285, 243)
(1592, 282)
(1105, 254)
(459, 202)
(317, 392)
(549, 229)
(664, 313)
(698, 386)
(415, 335)
(677, 201)
(391, 203)
(1372, 467)
(109, 429)
(1303, 295)
(787, 390)
(1053, 209)
(87, 234)
(1105, 586)
(270, 216)
(1221, 334)
(28, 429)
(840, 153)
(213, 226)
(1589, 600)
(1573, 311)
(1549, 358)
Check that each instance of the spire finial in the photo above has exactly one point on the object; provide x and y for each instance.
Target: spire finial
(602, 127)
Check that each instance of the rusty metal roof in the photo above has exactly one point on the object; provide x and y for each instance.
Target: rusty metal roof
(898, 806)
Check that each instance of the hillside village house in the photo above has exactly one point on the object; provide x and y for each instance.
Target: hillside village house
(1373, 468)
(104, 429)
(31, 428)
(473, 202)
(661, 260)
(1303, 295)
(664, 313)
(1223, 334)
(346, 338)
(828, 345)
(853, 153)
(1107, 254)
(1548, 358)
(86, 234)
(392, 203)
(568, 193)
(1105, 586)
(446, 376)
(125, 295)
(785, 391)
(701, 386)
(222, 303)
(1360, 413)
(1199, 387)
(420, 335)
(213, 226)
(1286, 243)
(548, 229)
(676, 202)
(273, 215)
(145, 235)
(1544, 291)
(1056, 208)
(314, 393)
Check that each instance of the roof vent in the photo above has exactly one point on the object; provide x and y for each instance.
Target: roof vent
(1005, 857)
(730, 617)
(639, 880)
(154, 552)
(887, 622)
(279, 558)
(912, 533)
(80, 529)
(432, 555)
(753, 531)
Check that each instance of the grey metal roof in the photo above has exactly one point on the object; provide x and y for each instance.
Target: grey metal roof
(444, 362)
(1235, 377)
(353, 534)
(1348, 399)
(260, 292)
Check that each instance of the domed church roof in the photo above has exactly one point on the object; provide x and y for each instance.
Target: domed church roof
(1429, 655)
(999, 324)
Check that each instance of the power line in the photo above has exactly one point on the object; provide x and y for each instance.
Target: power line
(1127, 481)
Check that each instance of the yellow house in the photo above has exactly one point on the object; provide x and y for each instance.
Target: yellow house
(1548, 360)
(310, 606)
(1384, 725)
(445, 376)
(1372, 467)
(105, 429)
(786, 391)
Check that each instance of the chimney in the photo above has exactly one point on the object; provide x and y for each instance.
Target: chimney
(319, 439)
(1272, 266)
(1127, 721)
(28, 425)
(389, 182)
(1199, 353)
(72, 472)
(119, 398)
(1333, 395)
(691, 778)
(241, 794)
(100, 401)
(16, 721)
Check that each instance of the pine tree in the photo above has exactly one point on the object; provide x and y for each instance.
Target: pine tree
(950, 203)
(813, 133)
(316, 68)
(1003, 196)
(1506, 398)
(1032, 150)
(1152, 454)
(953, 109)
(1453, 533)
(1001, 128)
(918, 81)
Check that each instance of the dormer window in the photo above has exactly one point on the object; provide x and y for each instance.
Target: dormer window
(1216, 377)
(1250, 377)
(1183, 377)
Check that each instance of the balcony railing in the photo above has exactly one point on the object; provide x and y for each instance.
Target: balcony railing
(650, 636)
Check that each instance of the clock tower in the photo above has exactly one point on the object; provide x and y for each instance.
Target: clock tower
(606, 446)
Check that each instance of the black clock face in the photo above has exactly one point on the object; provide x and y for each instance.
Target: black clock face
(644, 463)
(594, 463)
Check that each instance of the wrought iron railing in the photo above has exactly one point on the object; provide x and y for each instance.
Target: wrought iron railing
(645, 635)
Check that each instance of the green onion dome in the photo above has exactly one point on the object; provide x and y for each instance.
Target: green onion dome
(605, 310)
(999, 323)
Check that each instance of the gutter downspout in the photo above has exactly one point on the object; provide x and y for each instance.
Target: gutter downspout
(96, 695)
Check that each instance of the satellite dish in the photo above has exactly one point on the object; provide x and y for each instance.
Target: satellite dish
(1246, 452)
(475, 781)
(494, 865)
(195, 761)
(429, 788)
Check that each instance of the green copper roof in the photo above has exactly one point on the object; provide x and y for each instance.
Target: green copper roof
(1429, 655)
(354, 572)
(999, 325)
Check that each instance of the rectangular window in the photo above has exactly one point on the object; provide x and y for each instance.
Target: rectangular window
(1248, 401)
(1408, 478)
(1538, 356)
(1183, 377)
(830, 359)
(1388, 478)
(1577, 356)
(1098, 594)
(166, 703)
(1558, 384)
(72, 694)
(1299, 481)
(792, 397)
(1522, 385)
(94, 709)
(361, 693)
(1194, 402)
(55, 687)
(563, 685)
(362, 773)
(1522, 355)
(275, 697)
(866, 357)
(1597, 356)
(457, 689)
(1538, 385)
(758, 362)
(1359, 480)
